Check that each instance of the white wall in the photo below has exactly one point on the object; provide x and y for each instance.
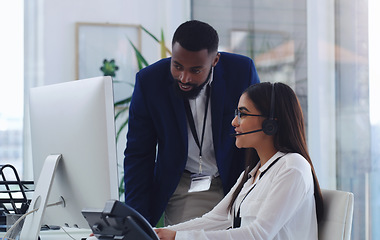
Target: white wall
(59, 18)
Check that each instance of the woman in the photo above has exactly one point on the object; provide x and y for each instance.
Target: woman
(278, 195)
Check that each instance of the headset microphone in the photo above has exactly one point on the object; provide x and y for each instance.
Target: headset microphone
(238, 134)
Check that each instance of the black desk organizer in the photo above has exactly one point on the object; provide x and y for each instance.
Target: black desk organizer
(13, 197)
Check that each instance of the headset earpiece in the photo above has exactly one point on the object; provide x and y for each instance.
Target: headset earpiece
(270, 125)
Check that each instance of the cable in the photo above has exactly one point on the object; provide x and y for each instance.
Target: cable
(16, 223)
(68, 234)
(24, 216)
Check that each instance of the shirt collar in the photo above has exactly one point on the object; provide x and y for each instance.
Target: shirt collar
(211, 75)
(203, 91)
(266, 165)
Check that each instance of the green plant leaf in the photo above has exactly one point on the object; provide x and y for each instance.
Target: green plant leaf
(162, 45)
(121, 187)
(121, 111)
(109, 68)
(122, 126)
(140, 59)
(123, 101)
(162, 42)
(150, 34)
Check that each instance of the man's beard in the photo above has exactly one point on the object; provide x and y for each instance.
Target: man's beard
(194, 92)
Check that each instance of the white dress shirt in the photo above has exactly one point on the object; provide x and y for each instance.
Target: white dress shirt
(281, 206)
(198, 107)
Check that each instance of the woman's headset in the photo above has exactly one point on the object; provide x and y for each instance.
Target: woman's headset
(270, 125)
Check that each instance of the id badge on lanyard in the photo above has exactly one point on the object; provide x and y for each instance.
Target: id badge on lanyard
(199, 182)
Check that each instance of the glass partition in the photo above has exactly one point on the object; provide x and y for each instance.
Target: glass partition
(321, 49)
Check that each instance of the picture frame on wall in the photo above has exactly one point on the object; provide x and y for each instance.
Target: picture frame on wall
(99, 42)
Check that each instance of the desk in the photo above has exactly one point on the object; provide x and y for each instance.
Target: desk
(77, 234)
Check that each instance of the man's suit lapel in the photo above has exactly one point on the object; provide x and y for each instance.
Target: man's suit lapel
(179, 111)
(218, 91)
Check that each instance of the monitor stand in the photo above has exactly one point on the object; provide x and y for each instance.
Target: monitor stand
(32, 224)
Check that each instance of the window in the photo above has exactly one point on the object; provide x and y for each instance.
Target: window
(373, 176)
(11, 83)
(321, 49)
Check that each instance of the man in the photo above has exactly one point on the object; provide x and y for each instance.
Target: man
(183, 107)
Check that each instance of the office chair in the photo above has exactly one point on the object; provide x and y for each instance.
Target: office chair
(338, 211)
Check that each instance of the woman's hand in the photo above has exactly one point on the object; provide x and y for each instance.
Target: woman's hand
(165, 234)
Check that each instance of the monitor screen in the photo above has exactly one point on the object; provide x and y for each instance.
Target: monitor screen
(75, 120)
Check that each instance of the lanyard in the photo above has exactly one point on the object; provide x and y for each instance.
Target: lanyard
(237, 218)
(192, 125)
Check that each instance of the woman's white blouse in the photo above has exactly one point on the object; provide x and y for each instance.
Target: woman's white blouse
(281, 206)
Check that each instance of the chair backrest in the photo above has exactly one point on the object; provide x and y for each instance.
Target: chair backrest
(338, 211)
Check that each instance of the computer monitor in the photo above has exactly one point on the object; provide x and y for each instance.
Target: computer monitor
(74, 145)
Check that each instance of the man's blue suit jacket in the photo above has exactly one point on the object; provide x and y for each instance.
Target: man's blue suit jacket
(157, 140)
